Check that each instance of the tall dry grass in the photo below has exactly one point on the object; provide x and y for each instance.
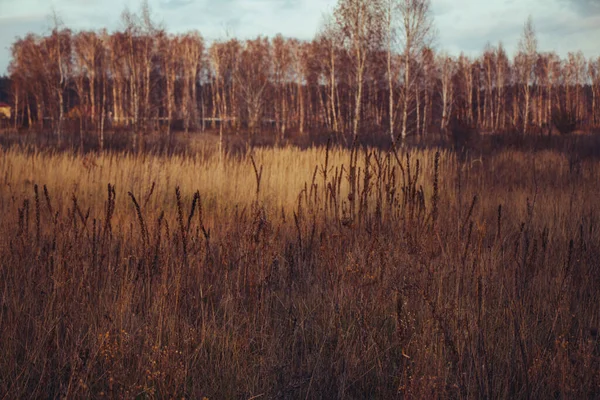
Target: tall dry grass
(273, 275)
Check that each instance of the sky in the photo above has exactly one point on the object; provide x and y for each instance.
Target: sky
(462, 25)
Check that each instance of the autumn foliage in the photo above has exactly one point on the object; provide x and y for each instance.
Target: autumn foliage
(369, 68)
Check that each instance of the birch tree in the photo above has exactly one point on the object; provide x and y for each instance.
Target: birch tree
(428, 67)
(304, 77)
(88, 49)
(169, 46)
(502, 71)
(360, 24)
(489, 66)
(282, 62)
(416, 32)
(252, 78)
(329, 40)
(191, 49)
(57, 48)
(447, 69)
(526, 61)
(390, 15)
(594, 75)
(465, 68)
(554, 79)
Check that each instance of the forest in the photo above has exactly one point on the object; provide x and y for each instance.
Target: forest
(369, 68)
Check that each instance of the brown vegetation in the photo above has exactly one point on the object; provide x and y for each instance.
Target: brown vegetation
(433, 278)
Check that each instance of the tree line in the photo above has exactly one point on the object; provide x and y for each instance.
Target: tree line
(371, 67)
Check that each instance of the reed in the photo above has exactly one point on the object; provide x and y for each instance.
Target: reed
(291, 273)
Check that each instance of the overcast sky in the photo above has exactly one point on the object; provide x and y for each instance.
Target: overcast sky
(462, 25)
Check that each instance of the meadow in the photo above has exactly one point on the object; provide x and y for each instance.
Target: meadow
(284, 273)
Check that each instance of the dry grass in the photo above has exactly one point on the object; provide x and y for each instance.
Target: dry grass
(143, 276)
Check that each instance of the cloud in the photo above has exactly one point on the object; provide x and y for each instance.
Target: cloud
(10, 29)
(174, 4)
(214, 19)
(463, 25)
(585, 7)
(468, 25)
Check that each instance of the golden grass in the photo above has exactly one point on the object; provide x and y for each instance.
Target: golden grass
(308, 290)
(230, 182)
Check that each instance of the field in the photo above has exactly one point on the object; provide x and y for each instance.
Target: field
(283, 273)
